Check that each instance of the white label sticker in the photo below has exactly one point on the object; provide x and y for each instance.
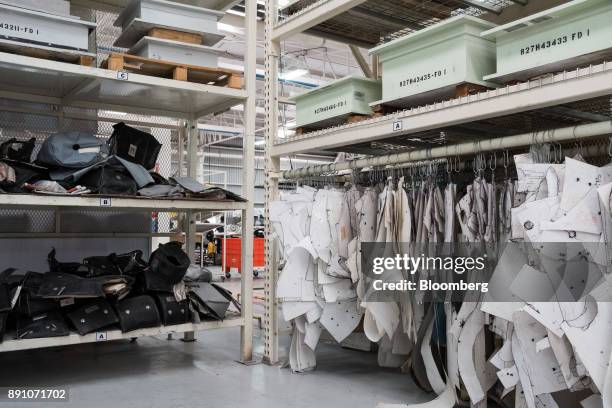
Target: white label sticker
(105, 202)
(397, 125)
(132, 150)
(95, 149)
(123, 76)
(101, 336)
(16, 296)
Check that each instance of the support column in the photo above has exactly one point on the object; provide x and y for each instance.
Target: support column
(248, 182)
(272, 171)
(190, 216)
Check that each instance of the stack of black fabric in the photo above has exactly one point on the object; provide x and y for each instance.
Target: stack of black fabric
(80, 163)
(106, 292)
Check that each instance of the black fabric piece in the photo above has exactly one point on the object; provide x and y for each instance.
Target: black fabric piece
(3, 323)
(93, 316)
(170, 262)
(110, 177)
(51, 324)
(101, 266)
(18, 149)
(5, 295)
(56, 266)
(134, 145)
(65, 285)
(208, 301)
(24, 173)
(154, 282)
(130, 263)
(137, 313)
(158, 178)
(171, 311)
(29, 303)
(228, 295)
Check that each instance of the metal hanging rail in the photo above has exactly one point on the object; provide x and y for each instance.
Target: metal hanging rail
(507, 142)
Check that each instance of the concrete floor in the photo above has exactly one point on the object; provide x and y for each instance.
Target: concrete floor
(155, 372)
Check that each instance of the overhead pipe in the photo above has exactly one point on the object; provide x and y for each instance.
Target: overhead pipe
(460, 149)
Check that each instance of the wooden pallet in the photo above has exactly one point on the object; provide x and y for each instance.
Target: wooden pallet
(174, 35)
(436, 95)
(173, 70)
(45, 52)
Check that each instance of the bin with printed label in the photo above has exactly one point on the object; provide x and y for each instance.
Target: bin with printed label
(436, 63)
(335, 102)
(572, 35)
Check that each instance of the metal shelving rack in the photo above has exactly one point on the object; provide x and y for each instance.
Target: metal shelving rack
(562, 107)
(65, 86)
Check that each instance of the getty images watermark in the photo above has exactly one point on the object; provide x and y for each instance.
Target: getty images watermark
(492, 272)
(427, 265)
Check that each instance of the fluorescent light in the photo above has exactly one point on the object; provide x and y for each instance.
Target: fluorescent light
(260, 142)
(296, 73)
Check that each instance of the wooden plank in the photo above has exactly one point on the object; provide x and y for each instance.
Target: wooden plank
(469, 89)
(356, 118)
(174, 35)
(86, 61)
(177, 71)
(115, 62)
(180, 74)
(235, 81)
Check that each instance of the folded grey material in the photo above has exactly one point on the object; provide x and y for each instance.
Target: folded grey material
(140, 175)
(161, 190)
(189, 184)
(73, 150)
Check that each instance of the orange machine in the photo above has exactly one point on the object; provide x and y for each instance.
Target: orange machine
(232, 252)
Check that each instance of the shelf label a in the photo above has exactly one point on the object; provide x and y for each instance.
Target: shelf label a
(105, 202)
(397, 125)
(123, 75)
(101, 336)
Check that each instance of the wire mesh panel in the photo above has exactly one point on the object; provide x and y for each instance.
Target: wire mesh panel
(374, 21)
(24, 120)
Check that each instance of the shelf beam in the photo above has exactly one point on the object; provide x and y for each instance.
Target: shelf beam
(317, 13)
(581, 84)
(507, 142)
(29, 344)
(34, 201)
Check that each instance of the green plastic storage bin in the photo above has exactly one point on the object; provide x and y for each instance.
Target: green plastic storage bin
(564, 37)
(427, 65)
(332, 103)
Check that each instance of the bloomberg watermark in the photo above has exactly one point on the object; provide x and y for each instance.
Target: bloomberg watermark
(499, 272)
